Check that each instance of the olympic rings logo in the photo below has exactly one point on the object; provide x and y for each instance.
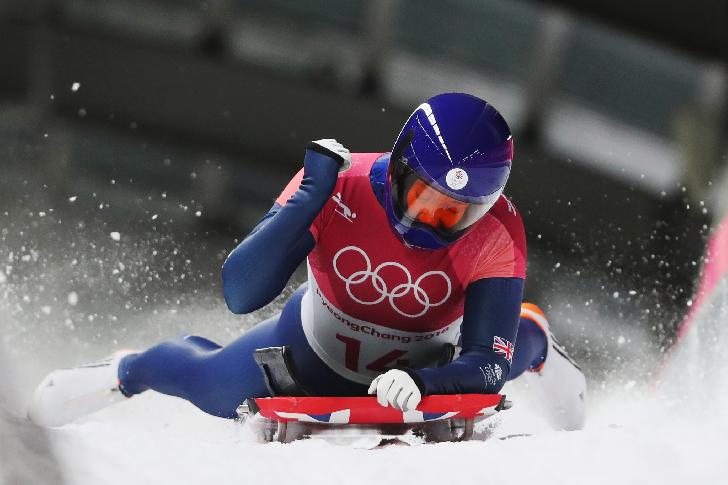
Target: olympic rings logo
(399, 291)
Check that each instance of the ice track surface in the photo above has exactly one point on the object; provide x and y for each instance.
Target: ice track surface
(154, 439)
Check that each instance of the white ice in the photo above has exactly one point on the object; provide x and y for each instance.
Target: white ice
(155, 439)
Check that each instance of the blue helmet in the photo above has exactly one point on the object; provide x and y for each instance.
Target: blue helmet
(447, 169)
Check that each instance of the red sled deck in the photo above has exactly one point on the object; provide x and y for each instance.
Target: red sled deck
(366, 410)
(437, 418)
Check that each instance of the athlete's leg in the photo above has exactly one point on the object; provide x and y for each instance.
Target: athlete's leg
(217, 379)
(191, 368)
(531, 346)
(553, 378)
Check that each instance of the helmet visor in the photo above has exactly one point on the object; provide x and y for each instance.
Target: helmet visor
(419, 204)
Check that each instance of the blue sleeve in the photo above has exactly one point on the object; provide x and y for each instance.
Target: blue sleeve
(492, 308)
(258, 269)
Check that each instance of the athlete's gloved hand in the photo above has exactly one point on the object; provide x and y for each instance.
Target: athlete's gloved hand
(324, 160)
(334, 149)
(397, 389)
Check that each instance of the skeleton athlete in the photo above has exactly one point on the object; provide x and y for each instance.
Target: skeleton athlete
(409, 254)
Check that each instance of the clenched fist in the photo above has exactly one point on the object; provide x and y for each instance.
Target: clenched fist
(334, 149)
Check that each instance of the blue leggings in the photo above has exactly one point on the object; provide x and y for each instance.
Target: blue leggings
(218, 379)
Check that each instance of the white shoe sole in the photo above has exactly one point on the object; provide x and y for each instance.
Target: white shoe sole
(68, 394)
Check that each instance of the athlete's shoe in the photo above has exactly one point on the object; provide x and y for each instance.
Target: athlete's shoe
(558, 383)
(68, 394)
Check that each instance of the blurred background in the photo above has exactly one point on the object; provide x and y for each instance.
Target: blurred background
(141, 139)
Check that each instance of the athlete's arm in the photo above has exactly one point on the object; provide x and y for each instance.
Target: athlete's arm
(492, 309)
(258, 269)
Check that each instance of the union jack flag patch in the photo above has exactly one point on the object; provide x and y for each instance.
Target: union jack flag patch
(504, 347)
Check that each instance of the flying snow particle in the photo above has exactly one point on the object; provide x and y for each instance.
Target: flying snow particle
(72, 298)
(72, 198)
(154, 217)
(75, 87)
(3, 278)
(198, 213)
(615, 294)
(621, 340)
(632, 292)
(115, 236)
(46, 309)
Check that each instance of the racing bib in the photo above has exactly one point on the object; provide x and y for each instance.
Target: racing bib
(360, 350)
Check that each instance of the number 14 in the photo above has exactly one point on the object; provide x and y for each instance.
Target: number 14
(353, 349)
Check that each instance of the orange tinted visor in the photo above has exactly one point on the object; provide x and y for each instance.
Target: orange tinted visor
(431, 207)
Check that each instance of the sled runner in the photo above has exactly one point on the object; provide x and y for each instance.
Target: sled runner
(436, 419)
(293, 414)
